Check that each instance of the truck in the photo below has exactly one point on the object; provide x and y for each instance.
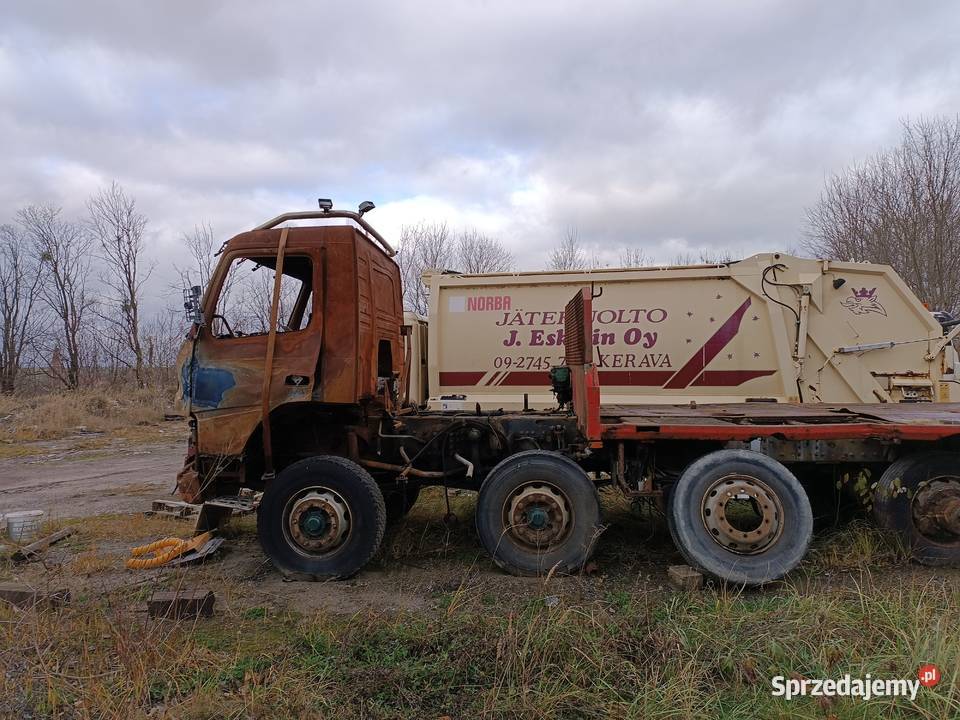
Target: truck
(297, 378)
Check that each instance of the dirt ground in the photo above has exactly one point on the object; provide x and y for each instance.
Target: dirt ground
(69, 482)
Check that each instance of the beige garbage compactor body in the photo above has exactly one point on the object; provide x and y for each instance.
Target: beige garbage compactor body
(771, 328)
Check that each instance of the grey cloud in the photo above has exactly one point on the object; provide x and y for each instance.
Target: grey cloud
(657, 124)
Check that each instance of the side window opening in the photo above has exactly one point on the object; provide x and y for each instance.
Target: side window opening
(384, 359)
(243, 307)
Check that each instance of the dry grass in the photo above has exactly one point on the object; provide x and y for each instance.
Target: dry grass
(96, 409)
(626, 650)
(126, 528)
(639, 655)
(93, 562)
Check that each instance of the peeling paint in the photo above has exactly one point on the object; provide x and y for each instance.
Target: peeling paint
(207, 384)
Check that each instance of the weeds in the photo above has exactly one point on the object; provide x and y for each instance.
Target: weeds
(96, 409)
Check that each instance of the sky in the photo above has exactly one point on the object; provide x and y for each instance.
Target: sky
(677, 127)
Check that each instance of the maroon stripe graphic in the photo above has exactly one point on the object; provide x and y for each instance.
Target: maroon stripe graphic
(728, 378)
(461, 378)
(526, 377)
(695, 365)
(639, 378)
(611, 378)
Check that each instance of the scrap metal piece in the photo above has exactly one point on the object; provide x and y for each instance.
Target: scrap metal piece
(199, 555)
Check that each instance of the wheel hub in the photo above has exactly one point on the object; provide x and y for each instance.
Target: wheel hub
(538, 515)
(314, 523)
(742, 514)
(319, 520)
(936, 509)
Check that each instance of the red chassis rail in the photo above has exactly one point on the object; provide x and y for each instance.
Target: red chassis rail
(813, 431)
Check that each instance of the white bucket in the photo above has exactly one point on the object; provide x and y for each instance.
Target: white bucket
(23, 526)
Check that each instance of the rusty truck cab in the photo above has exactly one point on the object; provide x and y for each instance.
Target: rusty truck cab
(314, 351)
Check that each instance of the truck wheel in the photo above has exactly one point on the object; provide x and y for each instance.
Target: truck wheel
(740, 516)
(321, 517)
(399, 502)
(918, 497)
(538, 512)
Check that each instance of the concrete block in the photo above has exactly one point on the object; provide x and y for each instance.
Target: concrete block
(24, 596)
(684, 577)
(181, 604)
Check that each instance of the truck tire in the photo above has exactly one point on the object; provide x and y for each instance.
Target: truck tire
(321, 517)
(740, 516)
(399, 502)
(918, 497)
(538, 513)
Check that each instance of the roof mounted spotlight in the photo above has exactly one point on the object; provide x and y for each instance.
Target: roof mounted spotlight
(365, 207)
(326, 204)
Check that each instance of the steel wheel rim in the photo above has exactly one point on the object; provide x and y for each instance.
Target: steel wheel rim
(537, 515)
(317, 521)
(720, 521)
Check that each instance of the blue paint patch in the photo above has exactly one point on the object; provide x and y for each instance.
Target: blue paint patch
(207, 385)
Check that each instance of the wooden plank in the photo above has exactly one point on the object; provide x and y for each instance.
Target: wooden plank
(174, 508)
(33, 550)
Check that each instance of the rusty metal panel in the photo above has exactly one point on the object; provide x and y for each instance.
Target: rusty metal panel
(578, 326)
(333, 359)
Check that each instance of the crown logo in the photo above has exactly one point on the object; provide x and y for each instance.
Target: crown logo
(863, 301)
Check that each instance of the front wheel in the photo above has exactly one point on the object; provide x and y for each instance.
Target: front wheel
(740, 516)
(538, 513)
(321, 517)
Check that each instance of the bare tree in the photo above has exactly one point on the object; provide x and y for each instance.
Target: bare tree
(478, 253)
(63, 251)
(433, 246)
(19, 289)
(570, 253)
(900, 207)
(201, 245)
(704, 257)
(118, 226)
(631, 257)
(163, 334)
(424, 246)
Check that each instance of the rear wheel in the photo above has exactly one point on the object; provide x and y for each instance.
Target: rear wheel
(537, 513)
(918, 497)
(321, 517)
(740, 516)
